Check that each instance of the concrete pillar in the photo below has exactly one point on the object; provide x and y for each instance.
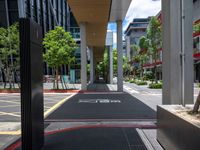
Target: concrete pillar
(91, 66)
(120, 57)
(187, 47)
(111, 65)
(128, 48)
(83, 57)
(177, 44)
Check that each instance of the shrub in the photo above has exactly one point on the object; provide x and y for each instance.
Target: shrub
(141, 83)
(198, 84)
(148, 76)
(127, 80)
(155, 86)
(132, 81)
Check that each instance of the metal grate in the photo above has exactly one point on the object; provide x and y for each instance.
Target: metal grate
(134, 139)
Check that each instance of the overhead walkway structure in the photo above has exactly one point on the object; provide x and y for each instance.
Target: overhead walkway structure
(93, 17)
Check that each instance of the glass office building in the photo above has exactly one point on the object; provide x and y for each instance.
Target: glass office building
(47, 13)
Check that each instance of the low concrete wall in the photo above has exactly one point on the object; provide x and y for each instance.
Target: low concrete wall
(175, 133)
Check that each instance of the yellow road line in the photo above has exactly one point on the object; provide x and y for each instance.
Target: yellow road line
(46, 114)
(52, 109)
(18, 132)
(10, 114)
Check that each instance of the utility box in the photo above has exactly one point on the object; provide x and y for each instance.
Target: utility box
(31, 74)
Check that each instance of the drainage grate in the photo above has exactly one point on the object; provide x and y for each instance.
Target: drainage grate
(94, 138)
(133, 139)
(99, 138)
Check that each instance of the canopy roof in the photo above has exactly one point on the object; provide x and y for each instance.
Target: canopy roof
(96, 14)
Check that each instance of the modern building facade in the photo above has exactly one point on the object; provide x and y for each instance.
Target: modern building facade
(196, 47)
(47, 13)
(134, 32)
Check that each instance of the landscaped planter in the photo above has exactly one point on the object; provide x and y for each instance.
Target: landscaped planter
(177, 130)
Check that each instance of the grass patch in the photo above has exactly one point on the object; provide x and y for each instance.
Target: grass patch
(155, 86)
(138, 82)
(132, 81)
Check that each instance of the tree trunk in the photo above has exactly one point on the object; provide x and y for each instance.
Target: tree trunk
(155, 70)
(196, 105)
(57, 78)
(8, 77)
(54, 78)
(142, 72)
(155, 73)
(68, 69)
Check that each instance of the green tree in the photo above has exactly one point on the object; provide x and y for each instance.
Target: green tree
(154, 41)
(60, 48)
(126, 66)
(115, 61)
(135, 58)
(143, 44)
(196, 27)
(134, 50)
(9, 49)
(105, 65)
(143, 54)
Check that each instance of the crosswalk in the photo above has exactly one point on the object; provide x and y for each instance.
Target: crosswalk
(130, 90)
(141, 92)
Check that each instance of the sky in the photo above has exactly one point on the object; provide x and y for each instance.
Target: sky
(138, 9)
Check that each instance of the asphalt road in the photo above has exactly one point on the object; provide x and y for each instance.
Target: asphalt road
(10, 105)
(151, 97)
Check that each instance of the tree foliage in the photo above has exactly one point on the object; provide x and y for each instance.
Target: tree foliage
(60, 48)
(102, 67)
(140, 57)
(143, 43)
(9, 48)
(155, 41)
(115, 61)
(196, 27)
(126, 66)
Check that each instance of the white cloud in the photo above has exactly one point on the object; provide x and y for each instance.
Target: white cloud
(137, 9)
(141, 9)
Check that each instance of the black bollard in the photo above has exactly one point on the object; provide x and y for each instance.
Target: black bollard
(31, 67)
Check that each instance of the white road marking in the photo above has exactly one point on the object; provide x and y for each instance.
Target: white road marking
(131, 90)
(10, 114)
(134, 91)
(98, 101)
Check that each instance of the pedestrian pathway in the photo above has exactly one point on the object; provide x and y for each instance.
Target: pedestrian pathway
(103, 106)
(103, 119)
